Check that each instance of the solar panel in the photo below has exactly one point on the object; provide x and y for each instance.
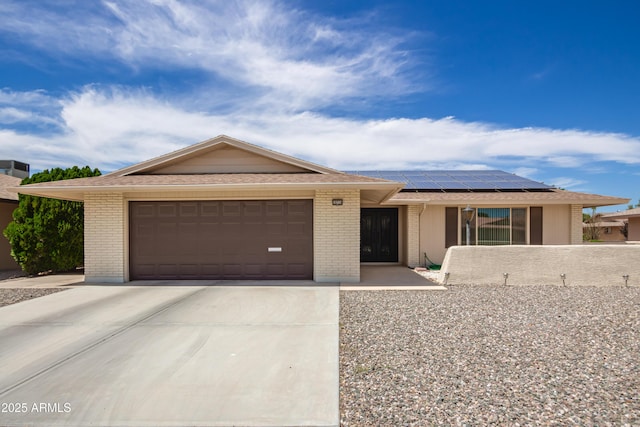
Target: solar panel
(491, 180)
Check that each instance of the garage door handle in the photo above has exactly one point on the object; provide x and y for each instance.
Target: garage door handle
(274, 249)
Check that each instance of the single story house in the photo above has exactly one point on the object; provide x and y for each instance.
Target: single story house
(227, 209)
(8, 203)
(633, 222)
(610, 231)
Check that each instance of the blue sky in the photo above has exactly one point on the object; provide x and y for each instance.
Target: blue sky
(548, 90)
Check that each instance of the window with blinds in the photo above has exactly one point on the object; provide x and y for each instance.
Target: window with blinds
(497, 226)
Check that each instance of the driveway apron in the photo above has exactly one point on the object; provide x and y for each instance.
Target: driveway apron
(172, 356)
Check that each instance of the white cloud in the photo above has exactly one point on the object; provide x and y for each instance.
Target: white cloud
(293, 60)
(569, 183)
(110, 127)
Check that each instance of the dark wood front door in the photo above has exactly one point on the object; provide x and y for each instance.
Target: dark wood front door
(379, 235)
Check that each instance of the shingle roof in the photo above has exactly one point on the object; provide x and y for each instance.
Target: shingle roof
(7, 181)
(548, 197)
(210, 179)
(629, 213)
(74, 189)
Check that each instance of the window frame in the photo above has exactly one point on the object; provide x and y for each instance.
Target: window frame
(475, 228)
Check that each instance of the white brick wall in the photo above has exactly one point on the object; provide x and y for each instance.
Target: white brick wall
(104, 238)
(336, 240)
(576, 224)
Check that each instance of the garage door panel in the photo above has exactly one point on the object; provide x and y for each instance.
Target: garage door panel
(252, 209)
(189, 270)
(296, 270)
(221, 240)
(209, 209)
(297, 228)
(189, 209)
(275, 209)
(276, 229)
(231, 209)
(145, 210)
(297, 208)
(210, 270)
(167, 210)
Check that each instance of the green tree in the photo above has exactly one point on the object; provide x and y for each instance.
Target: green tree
(48, 234)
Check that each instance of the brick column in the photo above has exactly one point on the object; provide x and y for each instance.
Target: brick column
(576, 224)
(104, 238)
(336, 236)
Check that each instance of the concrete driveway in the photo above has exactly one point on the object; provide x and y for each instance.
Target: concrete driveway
(171, 356)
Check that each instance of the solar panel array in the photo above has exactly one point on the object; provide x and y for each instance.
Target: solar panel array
(462, 180)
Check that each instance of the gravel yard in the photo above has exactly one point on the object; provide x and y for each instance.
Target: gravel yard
(10, 295)
(490, 355)
(15, 295)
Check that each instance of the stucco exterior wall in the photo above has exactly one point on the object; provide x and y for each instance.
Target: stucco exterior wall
(432, 234)
(556, 225)
(583, 265)
(105, 237)
(634, 229)
(336, 236)
(6, 260)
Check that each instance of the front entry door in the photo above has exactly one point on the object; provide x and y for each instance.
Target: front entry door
(379, 235)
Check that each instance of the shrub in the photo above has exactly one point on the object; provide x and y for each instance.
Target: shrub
(48, 234)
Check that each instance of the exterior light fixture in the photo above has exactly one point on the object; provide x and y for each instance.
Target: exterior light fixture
(337, 202)
(467, 217)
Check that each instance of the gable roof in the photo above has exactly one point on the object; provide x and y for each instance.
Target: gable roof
(220, 163)
(7, 181)
(272, 162)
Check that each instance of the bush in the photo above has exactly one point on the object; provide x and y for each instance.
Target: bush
(48, 234)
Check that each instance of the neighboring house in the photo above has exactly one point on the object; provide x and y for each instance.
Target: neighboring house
(226, 209)
(606, 231)
(8, 202)
(633, 222)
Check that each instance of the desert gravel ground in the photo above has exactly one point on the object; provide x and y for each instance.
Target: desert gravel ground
(15, 295)
(490, 356)
(10, 295)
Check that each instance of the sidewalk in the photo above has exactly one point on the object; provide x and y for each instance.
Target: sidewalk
(48, 281)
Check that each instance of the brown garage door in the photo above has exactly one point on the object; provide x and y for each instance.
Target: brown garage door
(256, 239)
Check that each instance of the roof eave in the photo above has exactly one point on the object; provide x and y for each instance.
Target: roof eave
(587, 203)
(78, 193)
